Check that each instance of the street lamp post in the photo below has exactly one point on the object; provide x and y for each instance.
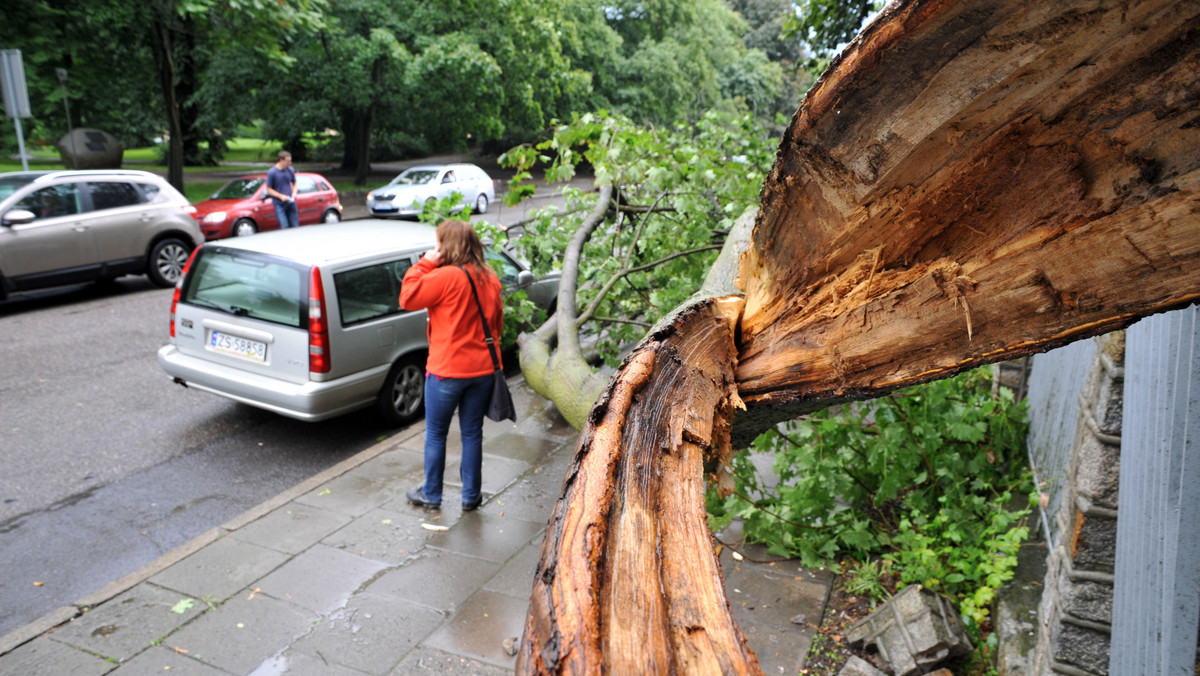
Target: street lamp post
(62, 79)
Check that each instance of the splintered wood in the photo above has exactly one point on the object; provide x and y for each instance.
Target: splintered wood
(629, 580)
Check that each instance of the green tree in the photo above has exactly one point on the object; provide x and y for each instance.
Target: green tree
(637, 245)
(825, 25)
(105, 60)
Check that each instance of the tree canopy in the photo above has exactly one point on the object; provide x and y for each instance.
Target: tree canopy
(370, 79)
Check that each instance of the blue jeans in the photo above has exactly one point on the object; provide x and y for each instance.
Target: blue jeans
(287, 214)
(442, 396)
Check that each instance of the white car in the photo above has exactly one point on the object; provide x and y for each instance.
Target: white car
(407, 194)
(306, 322)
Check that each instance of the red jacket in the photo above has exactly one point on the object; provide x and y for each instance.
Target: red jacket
(456, 341)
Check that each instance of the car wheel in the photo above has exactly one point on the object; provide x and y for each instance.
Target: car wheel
(167, 259)
(481, 204)
(244, 227)
(402, 398)
(331, 216)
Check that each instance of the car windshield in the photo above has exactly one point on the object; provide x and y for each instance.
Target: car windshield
(238, 188)
(416, 177)
(248, 285)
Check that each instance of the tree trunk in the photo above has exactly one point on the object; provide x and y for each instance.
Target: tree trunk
(166, 73)
(971, 181)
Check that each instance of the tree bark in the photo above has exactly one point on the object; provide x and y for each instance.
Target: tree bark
(563, 375)
(167, 74)
(971, 181)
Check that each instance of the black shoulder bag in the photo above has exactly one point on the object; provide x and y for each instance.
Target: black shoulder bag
(501, 406)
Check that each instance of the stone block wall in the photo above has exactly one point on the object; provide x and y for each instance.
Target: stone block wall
(1074, 624)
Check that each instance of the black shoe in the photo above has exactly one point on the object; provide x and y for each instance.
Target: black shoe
(472, 506)
(417, 497)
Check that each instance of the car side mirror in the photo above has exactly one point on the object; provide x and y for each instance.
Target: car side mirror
(524, 279)
(18, 217)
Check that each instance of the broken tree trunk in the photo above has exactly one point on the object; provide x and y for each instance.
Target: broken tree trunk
(972, 181)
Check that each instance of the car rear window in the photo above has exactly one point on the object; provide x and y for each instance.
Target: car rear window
(249, 285)
(370, 292)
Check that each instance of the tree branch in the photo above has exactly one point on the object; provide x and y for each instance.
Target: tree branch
(587, 314)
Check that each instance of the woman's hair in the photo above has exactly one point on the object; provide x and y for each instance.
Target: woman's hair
(461, 246)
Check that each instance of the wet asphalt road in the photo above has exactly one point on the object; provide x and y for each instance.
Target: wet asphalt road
(105, 464)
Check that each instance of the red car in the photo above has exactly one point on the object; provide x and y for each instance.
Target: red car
(242, 207)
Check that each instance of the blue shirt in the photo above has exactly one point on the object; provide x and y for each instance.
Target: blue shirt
(281, 180)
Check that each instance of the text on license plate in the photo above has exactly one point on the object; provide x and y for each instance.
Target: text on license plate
(251, 349)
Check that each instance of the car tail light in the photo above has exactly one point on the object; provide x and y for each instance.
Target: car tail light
(318, 326)
(179, 287)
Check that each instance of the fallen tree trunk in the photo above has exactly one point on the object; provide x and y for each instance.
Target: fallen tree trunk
(972, 181)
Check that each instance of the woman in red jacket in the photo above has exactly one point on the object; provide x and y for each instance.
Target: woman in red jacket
(458, 373)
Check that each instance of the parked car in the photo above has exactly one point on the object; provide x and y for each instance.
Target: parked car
(67, 227)
(241, 207)
(407, 194)
(306, 322)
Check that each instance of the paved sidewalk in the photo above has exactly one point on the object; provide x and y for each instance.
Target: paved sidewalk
(341, 576)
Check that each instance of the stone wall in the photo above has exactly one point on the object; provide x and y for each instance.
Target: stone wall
(1075, 415)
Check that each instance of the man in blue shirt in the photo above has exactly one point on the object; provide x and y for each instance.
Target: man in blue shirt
(281, 186)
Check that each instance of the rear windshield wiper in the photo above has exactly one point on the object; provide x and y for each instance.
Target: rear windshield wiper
(231, 309)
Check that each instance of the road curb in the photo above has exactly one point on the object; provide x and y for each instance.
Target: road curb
(62, 615)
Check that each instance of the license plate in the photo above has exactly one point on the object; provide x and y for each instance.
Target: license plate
(250, 349)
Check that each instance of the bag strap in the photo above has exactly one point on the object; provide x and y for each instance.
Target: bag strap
(487, 331)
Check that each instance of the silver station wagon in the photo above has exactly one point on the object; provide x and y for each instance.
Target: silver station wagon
(305, 322)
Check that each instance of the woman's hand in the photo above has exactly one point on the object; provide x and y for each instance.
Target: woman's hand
(434, 256)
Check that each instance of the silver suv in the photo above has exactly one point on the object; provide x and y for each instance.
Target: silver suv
(306, 322)
(67, 227)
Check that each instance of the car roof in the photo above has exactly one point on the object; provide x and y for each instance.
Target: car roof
(335, 242)
(80, 173)
(264, 175)
(439, 167)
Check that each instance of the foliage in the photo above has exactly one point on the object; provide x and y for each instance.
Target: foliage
(680, 190)
(925, 476)
(825, 25)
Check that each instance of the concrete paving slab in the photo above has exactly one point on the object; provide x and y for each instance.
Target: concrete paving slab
(528, 449)
(158, 661)
(480, 627)
(430, 662)
(436, 579)
(220, 570)
(123, 627)
(382, 535)
(498, 472)
(292, 528)
(485, 536)
(778, 651)
(763, 596)
(371, 633)
(532, 496)
(243, 633)
(370, 485)
(515, 579)
(45, 657)
(320, 579)
(295, 663)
